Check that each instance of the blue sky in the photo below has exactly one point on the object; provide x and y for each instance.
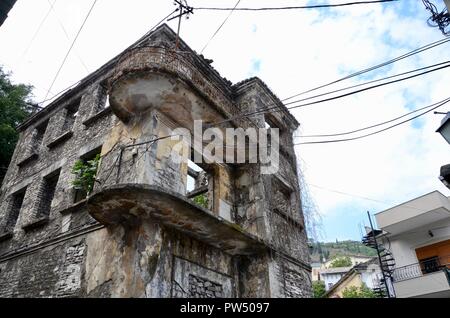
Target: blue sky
(291, 51)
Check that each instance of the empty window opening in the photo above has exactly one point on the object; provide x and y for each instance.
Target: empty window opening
(81, 194)
(16, 206)
(48, 192)
(269, 123)
(106, 104)
(197, 185)
(103, 97)
(71, 115)
(39, 136)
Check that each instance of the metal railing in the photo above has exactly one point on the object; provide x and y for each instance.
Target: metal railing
(426, 266)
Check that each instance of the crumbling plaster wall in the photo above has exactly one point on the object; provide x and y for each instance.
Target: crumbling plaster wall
(149, 261)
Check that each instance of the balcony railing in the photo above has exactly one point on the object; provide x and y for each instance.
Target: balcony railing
(426, 266)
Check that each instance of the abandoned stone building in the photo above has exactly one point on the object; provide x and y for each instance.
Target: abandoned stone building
(141, 232)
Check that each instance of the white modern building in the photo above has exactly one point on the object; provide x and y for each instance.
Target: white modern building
(417, 233)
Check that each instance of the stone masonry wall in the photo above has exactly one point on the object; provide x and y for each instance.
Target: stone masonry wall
(64, 252)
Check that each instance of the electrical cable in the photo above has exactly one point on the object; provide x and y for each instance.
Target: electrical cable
(369, 69)
(318, 6)
(372, 81)
(358, 196)
(37, 31)
(279, 108)
(71, 46)
(79, 81)
(376, 132)
(413, 52)
(218, 29)
(368, 127)
(66, 34)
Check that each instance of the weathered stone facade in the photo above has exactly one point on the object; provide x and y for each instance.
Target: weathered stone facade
(139, 234)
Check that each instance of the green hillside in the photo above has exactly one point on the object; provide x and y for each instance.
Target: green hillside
(328, 250)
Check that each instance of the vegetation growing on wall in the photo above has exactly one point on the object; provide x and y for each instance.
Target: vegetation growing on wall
(201, 200)
(85, 172)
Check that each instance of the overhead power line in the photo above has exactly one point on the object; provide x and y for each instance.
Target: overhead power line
(360, 197)
(70, 48)
(364, 89)
(279, 108)
(440, 104)
(373, 81)
(403, 56)
(317, 6)
(369, 127)
(77, 82)
(37, 31)
(157, 25)
(218, 29)
(372, 68)
(52, 7)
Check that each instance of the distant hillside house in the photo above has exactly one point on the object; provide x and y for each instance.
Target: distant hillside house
(367, 273)
(331, 276)
(321, 268)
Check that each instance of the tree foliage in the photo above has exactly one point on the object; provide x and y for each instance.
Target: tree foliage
(85, 172)
(13, 110)
(343, 261)
(318, 289)
(359, 292)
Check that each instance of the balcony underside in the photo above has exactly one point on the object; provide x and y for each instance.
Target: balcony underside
(430, 208)
(135, 203)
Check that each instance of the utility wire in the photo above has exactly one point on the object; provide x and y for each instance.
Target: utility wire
(77, 82)
(218, 29)
(156, 25)
(71, 46)
(279, 108)
(440, 104)
(358, 196)
(37, 31)
(373, 81)
(368, 127)
(416, 51)
(398, 58)
(318, 6)
(65, 32)
(355, 92)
